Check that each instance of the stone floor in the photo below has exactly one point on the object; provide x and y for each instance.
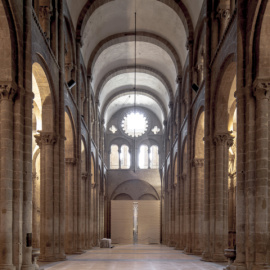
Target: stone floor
(141, 257)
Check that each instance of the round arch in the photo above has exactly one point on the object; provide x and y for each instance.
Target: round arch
(130, 37)
(70, 134)
(90, 7)
(224, 96)
(198, 151)
(43, 97)
(8, 46)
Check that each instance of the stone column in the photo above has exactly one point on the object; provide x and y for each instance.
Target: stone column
(182, 212)
(7, 94)
(93, 213)
(222, 141)
(242, 179)
(70, 204)
(149, 161)
(231, 211)
(261, 92)
(36, 216)
(79, 138)
(62, 138)
(46, 141)
(45, 14)
(224, 15)
(86, 177)
(68, 68)
(119, 158)
(83, 209)
(198, 206)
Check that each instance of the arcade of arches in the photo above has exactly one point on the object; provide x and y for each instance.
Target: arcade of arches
(194, 174)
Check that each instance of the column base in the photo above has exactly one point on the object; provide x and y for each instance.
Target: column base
(197, 252)
(219, 257)
(62, 257)
(236, 266)
(177, 246)
(258, 267)
(171, 243)
(7, 267)
(80, 251)
(47, 259)
(206, 257)
(28, 267)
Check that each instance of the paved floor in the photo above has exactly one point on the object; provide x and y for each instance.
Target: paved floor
(130, 257)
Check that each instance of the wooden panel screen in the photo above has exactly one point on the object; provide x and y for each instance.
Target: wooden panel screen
(149, 222)
(122, 222)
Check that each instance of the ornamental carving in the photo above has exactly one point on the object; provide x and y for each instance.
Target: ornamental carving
(84, 176)
(224, 14)
(183, 176)
(198, 162)
(45, 138)
(44, 12)
(71, 161)
(225, 139)
(7, 92)
(261, 88)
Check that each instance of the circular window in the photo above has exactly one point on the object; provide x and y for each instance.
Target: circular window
(135, 124)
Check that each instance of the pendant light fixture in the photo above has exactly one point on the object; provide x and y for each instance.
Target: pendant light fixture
(135, 73)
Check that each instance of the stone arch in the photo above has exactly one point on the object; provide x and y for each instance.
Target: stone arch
(70, 59)
(175, 169)
(123, 196)
(223, 97)
(70, 145)
(184, 157)
(93, 179)
(199, 135)
(148, 197)
(44, 95)
(90, 7)
(142, 187)
(83, 155)
(129, 36)
(139, 69)
(261, 43)
(198, 41)
(8, 46)
(138, 91)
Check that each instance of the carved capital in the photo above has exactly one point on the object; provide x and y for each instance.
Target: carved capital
(198, 162)
(7, 92)
(44, 12)
(225, 139)
(261, 88)
(189, 44)
(68, 66)
(179, 79)
(84, 176)
(223, 13)
(183, 176)
(170, 105)
(47, 138)
(71, 161)
(38, 140)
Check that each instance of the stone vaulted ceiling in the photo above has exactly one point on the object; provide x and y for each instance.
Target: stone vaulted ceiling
(106, 29)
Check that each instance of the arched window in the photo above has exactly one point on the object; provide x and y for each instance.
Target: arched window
(114, 157)
(154, 157)
(125, 157)
(143, 157)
